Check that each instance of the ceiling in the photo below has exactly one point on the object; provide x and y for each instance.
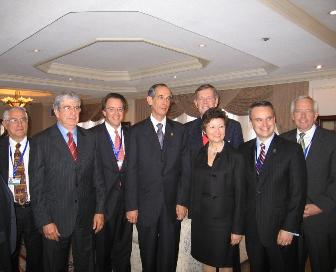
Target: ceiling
(97, 46)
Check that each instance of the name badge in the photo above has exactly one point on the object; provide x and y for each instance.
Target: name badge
(14, 181)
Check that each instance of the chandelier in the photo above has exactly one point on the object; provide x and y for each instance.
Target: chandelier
(17, 100)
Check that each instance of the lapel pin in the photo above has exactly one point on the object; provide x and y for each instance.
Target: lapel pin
(172, 134)
(274, 151)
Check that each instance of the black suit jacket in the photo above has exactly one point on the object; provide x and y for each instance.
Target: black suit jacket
(233, 135)
(275, 198)
(227, 190)
(61, 189)
(321, 178)
(111, 173)
(157, 177)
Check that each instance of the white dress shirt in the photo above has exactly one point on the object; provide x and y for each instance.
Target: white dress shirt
(155, 122)
(309, 134)
(111, 131)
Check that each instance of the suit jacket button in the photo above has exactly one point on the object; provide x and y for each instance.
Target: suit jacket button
(214, 175)
(258, 192)
(75, 200)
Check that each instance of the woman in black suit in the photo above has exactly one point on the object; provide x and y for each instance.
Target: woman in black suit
(218, 197)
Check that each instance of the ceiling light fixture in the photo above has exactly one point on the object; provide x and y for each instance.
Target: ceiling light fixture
(202, 45)
(332, 12)
(318, 67)
(265, 39)
(36, 50)
(17, 100)
(175, 76)
(70, 78)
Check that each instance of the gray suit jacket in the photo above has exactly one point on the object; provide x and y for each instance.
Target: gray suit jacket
(321, 178)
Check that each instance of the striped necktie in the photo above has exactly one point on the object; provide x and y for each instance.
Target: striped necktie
(261, 158)
(72, 146)
(301, 141)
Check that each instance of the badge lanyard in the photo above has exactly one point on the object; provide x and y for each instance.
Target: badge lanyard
(305, 152)
(15, 167)
(116, 151)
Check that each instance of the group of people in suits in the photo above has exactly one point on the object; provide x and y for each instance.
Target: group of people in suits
(84, 189)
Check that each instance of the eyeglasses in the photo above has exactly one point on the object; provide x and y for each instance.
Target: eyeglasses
(115, 110)
(71, 108)
(15, 121)
(162, 98)
(304, 111)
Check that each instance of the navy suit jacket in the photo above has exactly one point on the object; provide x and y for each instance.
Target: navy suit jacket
(233, 135)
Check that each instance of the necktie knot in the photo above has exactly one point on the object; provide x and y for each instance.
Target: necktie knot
(261, 158)
(17, 146)
(262, 146)
(159, 126)
(301, 140)
(72, 146)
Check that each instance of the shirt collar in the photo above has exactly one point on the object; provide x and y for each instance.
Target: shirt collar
(13, 142)
(308, 134)
(155, 122)
(111, 130)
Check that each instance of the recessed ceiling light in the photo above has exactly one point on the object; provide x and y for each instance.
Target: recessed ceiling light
(318, 67)
(70, 78)
(266, 39)
(175, 76)
(202, 45)
(332, 12)
(36, 50)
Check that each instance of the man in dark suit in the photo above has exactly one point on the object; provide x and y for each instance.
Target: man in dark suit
(158, 181)
(67, 188)
(15, 160)
(276, 189)
(114, 242)
(7, 227)
(206, 96)
(319, 218)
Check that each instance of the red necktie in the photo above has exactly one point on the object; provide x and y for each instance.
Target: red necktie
(72, 146)
(205, 139)
(117, 143)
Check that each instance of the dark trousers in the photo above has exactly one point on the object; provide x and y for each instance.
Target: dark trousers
(159, 243)
(273, 258)
(320, 247)
(56, 253)
(114, 242)
(5, 254)
(32, 239)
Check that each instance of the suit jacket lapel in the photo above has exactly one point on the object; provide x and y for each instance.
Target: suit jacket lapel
(151, 133)
(4, 162)
(315, 143)
(61, 145)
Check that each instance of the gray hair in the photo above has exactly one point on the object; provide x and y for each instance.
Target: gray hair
(207, 86)
(301, 97)
(152, 90)
(5, 115)
(59, 99)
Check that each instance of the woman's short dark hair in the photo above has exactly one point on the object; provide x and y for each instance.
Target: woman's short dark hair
(213, 113)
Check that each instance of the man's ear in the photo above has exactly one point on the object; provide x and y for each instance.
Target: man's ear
(150, 100)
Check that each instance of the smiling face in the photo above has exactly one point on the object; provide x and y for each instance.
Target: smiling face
(205, 99)
(16, 124)
(68, 113)
(160, 103)
(263, 122)
(304, 115)
(114, 112)
(215, 130)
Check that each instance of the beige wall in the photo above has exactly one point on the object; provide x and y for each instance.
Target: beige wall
(324, 92)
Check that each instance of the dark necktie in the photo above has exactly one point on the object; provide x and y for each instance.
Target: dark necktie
(20, 190)
(301, 141)
(72, 146)
(261, 158)
(160, 134)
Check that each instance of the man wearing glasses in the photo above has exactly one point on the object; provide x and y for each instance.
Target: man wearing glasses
(67, 188)
(158, 182)
(114, 242)
(15, 158)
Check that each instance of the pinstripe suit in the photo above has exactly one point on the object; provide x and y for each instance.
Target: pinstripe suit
(275, 201)
(66, 193)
